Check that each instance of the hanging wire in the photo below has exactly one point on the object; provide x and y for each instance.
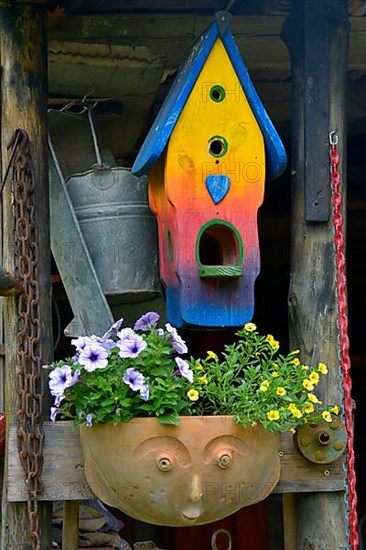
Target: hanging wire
(56, 311)
(230, 5)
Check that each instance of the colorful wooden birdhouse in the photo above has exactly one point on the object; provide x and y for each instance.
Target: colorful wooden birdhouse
(208, 154)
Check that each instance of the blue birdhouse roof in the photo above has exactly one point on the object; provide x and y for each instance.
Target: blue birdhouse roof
(175, 101)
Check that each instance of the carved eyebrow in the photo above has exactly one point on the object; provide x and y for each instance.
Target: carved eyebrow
(225, 443)
(160, 444)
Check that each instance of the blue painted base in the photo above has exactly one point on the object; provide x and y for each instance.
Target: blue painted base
(187, 315)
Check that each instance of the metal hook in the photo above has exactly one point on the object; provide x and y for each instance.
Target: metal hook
(333, 137)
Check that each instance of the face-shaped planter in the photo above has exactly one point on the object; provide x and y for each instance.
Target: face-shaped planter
(200, 471)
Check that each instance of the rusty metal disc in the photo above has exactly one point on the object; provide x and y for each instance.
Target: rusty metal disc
(322, 443)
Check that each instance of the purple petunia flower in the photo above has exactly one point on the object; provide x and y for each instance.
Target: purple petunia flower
(54, 412)
(82, 341)
(146, 321)
(134, 379)
(93, 357)
(131, 347)
(112, 331)
(79, 342)
(61, 378)
(89, 419)
(106, 343)
(58, 399)
(184, 369)
(160, 332)
(125, 333)
(145, 392)
(177, 342)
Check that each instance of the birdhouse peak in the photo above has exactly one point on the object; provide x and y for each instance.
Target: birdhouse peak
(182, 87)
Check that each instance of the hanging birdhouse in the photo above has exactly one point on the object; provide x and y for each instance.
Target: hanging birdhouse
(208, 154)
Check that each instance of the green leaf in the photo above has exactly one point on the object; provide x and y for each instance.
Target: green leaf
(169, 419)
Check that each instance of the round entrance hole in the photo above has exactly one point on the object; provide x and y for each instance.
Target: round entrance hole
(217, 93)
(217, 146)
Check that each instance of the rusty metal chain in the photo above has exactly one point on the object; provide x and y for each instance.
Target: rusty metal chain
(29, 382)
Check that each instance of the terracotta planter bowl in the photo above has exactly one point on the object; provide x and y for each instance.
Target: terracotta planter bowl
(200, 471)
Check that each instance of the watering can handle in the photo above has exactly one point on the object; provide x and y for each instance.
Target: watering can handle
(214, 537)
(94, 136)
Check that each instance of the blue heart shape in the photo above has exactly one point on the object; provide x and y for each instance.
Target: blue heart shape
(218, 186)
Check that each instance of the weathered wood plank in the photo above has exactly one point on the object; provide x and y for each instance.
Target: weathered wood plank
(322, 518)
(90, 307)
(172, 35)
(64, 479)
(23, 98)
(70, 525)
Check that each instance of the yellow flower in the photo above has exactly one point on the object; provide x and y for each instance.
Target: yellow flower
(250, 327)
(275, 366)
(295, 361)
(322, 368)
(281, 391)
(314, 377)
(327, 416)
(308, 385)
(294, 410)
(274, 374)
(335, 409)
(308, 408)
(203, 379)
(292, 430)
(199, 367)
(211, 355)
(193, 395)
(272, 342)
(313, 398)
(264, 385)
(304, 367)
(296, 351)
(273, 415)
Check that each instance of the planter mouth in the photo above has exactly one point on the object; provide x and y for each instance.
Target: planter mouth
(202, 470)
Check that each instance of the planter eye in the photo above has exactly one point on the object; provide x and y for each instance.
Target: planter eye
(224, 461)
(164, 464)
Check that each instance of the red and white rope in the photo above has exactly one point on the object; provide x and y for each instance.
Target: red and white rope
(341, 283)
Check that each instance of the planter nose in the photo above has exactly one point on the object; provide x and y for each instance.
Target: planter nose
(195, 493)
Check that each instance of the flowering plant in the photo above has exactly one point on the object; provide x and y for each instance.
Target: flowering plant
(138, 372)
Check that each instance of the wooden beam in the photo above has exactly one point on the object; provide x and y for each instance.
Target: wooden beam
(172, 35)
(70, 525)
(322, 519)
(63, 472)
(23, 104)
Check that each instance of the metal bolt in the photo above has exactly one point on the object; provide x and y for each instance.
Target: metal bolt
(338, 445)
(280, 454)
(320, 455)
(327, 472)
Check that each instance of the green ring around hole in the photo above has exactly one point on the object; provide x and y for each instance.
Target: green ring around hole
(217, 90)
(224, 144)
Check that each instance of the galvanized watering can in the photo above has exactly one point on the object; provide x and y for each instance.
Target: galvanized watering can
(119, 230)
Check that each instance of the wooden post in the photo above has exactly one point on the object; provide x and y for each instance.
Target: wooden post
(23, 49)
(317, 36)
(70, 525)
